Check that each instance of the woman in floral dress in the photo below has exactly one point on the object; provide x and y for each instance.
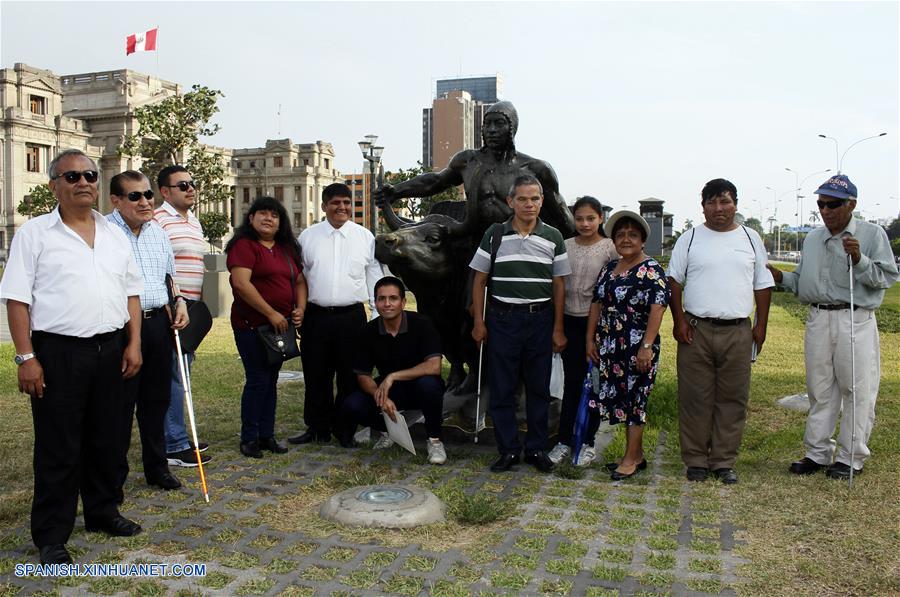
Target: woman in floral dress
(623, 335)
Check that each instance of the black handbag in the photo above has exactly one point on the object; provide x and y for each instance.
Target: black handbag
(199, 326)
(282, 346)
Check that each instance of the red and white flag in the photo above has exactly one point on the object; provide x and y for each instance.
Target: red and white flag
(141, 42)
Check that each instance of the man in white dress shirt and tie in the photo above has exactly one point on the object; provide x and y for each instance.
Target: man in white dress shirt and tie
(341, 271)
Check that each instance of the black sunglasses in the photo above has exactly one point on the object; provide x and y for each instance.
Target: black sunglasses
(73, 176)
(183, 185)
(136, 195)
(833, 204)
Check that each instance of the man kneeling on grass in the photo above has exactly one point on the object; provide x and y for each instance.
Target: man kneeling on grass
(406, 349)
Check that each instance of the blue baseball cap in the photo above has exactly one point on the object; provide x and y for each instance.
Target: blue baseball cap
(838, 186)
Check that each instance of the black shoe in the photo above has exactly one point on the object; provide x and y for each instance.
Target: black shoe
(540, 461)
(251, 449)
(272, 445)
(166, 481)
(615, 475)
(504, 463)
(309, 436)
(726, 475)
(186, 458)
(841, 471)
(611, 466)
(55, 554)
(806, 466)
(117, 526)
(203, 446)
(346, 442)
(696, 473)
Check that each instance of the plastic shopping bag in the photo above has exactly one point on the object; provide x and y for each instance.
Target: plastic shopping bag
(557, 377)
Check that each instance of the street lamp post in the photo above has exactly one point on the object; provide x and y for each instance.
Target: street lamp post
(800, 197)
(372, 153)
(840, 161)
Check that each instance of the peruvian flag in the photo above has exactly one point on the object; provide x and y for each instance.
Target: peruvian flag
(141, 42)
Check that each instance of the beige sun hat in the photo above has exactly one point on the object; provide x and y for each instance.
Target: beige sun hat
(611, 222)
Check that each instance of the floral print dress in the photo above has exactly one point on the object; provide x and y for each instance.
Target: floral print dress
(625, 300)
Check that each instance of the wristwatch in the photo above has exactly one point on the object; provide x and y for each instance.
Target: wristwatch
(645, 345)
(21, 358)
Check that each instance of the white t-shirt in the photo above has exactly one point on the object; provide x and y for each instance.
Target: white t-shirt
(720, 272)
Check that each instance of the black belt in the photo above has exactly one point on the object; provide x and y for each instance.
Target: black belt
(344, 309)
(837, 307)
(527, 307)
(716, 320)
(150, 313)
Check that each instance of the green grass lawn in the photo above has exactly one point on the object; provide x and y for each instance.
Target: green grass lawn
(802, 536)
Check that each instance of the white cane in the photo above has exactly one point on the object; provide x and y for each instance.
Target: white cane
(189, 399)
(478, 420)
(852, 374)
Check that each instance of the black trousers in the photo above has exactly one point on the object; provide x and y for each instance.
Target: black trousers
(149, 391)
(575, 369)
(327, 350)
(425, 393)
(74, 446)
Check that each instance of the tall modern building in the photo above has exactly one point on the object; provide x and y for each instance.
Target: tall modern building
(453, 122)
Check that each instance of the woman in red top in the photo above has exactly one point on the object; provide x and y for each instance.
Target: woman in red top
(263, 258)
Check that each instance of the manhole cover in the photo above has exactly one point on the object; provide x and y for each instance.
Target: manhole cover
(389, 506)
(284, 376)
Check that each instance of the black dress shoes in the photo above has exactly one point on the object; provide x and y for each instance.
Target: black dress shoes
(540, 461)
(55, 554)
(117, 526)
(611, 466)
(726, 475)
(504, 463)
(309, 436)
(697, 473)
(251, 449)
(346, 441)
(616, 475)
(272, 445)
(806, 466)
(165, 480)
(839, 470)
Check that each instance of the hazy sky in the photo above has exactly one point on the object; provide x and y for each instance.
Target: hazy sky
(625, 100)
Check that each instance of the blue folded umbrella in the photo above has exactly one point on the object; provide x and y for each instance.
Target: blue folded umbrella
(584, 412)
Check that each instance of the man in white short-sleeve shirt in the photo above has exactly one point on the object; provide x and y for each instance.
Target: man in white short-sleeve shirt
(71, 287)
(716, 272)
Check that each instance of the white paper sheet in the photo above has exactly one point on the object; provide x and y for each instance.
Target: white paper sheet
(399, 432)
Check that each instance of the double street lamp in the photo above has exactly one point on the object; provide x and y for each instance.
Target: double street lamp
(774, 218)
(840, 161)
(372, 153)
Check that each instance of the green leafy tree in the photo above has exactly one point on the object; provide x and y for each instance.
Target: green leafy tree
(419, 206)
(755, 224)
(895, 246)
(38, 202)
(169, 131)
(893, 229)
(215, 225)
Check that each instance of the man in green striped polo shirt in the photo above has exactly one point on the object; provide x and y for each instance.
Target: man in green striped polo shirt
(524, 322)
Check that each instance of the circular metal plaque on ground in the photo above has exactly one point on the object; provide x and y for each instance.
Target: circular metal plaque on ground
(389, 506)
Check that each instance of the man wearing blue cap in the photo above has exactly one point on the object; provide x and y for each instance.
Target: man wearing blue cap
(822, 280)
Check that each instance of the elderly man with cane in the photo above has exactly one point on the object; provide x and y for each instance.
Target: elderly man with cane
(845, 268)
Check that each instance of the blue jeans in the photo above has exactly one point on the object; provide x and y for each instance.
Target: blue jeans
(176, 432)
(519, 343)
(259, 395)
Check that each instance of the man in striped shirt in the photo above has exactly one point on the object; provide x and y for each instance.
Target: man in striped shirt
(178, 191)
(524, 323)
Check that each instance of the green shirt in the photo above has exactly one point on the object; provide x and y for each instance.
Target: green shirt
(822, 275)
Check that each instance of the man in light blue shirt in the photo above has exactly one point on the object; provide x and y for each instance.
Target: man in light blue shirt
(822, 280)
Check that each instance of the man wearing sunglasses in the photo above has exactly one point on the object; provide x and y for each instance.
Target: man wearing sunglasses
(71, 288)
(149, 390)
(178, 190)
(822, 280)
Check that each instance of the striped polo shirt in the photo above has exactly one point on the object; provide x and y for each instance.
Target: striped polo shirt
(525, 265)
(189, 246)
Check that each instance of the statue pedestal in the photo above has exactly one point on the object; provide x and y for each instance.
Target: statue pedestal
(217, 292)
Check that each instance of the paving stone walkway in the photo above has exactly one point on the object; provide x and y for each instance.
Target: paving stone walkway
(655, 533)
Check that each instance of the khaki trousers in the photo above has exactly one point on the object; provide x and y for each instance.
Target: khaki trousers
(713, 391)
(828, 383)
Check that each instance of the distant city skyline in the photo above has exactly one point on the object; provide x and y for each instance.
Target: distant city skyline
(625, 100)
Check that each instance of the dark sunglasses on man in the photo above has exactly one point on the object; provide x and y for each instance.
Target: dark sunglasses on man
(73, 176)
(833, 204)
(183, 185)
(136, 195)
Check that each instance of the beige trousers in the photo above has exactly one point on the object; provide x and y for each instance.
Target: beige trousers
(828, 382)
(713, 391)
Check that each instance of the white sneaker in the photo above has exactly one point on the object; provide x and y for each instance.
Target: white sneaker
(586, 456)
(559, 452)
(436, 452)
(383, 442)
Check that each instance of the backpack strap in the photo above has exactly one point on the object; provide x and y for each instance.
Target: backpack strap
(496, 240)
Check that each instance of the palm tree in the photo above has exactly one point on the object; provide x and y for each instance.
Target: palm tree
(813, 217)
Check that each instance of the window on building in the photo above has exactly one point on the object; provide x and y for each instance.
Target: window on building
(279, 193)
(259, 192)
(38, 104)
(327, 163)
(253, 163)
(305, 162)
(295, 162)
(246, 194)
(277, 161)
(33, 158)
(298, 220)
(237, 164)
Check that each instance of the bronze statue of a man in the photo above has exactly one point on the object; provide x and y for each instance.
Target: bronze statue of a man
(487, 175)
